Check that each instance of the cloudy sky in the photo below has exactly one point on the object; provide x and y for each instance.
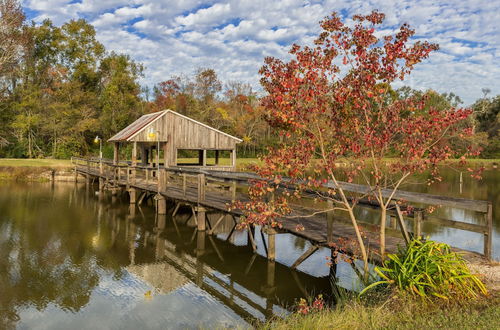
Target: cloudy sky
(171, 37)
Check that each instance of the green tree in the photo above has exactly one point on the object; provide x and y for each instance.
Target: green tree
(487, 114)
(119, 97)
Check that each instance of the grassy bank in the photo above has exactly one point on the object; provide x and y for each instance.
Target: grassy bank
(11, 162)
(397, 314)
(31, 169)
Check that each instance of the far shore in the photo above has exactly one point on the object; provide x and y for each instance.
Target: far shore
(241, 163)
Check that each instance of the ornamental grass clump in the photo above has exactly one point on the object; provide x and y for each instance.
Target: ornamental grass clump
(429, 269)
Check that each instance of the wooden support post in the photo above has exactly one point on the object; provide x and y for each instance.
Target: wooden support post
(263, 241)
(131, 211)
(304, 256)
(101, 184)
(204, 163)
(488, 234)
(200, 157)
(166, 153)
(402, 224)
(116, 151)
(271, 244)
(200, 243)
(159, 245)
(233, 191)
(271, 271)
(161, 220)
(417, 225)
(216, 157)
(184, 184)
(329, 222)
(128, 175)
(201, 218)
(161, 204)
(233, 158)
(157, 156)
(132, 192)
(134, 162)
(162, 179)
(201, 188)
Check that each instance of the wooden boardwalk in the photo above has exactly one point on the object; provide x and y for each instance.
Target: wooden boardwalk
(204, 191)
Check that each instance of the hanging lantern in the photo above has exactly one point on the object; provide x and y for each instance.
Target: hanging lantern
(151, 134)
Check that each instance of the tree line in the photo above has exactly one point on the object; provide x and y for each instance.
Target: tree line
(60, 87)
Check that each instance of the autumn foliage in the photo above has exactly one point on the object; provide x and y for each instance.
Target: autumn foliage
(333, 102)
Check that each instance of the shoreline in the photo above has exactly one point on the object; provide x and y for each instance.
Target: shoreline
(37, 174)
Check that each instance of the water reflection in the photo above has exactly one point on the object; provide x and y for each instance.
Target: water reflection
(69, 258)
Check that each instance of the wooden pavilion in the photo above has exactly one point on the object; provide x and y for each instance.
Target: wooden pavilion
(167, 135)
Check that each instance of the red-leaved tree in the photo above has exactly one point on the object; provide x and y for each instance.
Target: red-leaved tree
(333, 102)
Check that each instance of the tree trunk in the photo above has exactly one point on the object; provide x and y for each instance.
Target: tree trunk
(383, 218)
(360, 240)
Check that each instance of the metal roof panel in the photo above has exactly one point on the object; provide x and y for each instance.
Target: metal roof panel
(135, 127)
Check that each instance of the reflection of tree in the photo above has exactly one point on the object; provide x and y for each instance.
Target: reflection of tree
(46, 253)
(299, 243)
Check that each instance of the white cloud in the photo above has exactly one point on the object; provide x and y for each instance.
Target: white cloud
(233, 37)
(207, 16)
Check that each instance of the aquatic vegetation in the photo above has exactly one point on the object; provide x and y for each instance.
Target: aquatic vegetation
(429, 269)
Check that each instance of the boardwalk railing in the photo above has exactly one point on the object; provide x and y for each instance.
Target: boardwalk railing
(191, 185)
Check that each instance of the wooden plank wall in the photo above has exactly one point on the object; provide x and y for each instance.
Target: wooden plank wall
(182, 133)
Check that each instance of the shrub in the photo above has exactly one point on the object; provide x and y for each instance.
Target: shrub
(428, 269)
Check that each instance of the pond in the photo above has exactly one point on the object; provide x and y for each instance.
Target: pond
(72, 259)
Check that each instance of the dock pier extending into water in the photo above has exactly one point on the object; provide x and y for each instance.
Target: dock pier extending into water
(203, 190)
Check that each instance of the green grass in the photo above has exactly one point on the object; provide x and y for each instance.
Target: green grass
(397, 313)
(35, 162)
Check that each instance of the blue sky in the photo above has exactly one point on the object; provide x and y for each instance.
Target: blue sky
(173, 37)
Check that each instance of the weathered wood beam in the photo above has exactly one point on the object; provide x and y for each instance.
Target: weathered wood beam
(488, 234)
(177, 206)
(216, 224)
(252, 239)
(402, 224)
(116, 152)
(304, 256)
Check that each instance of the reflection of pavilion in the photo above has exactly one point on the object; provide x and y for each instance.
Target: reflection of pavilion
(174, 253)
(162, 276)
